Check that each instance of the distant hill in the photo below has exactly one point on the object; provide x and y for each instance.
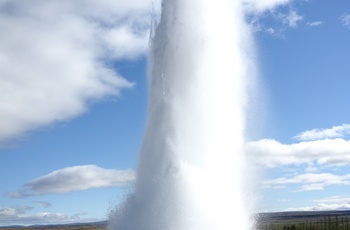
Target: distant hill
(100, 225)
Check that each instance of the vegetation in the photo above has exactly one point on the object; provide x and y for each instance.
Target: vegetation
(326, 223)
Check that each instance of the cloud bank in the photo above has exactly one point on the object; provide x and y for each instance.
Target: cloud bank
(57, 56)
(75, 178)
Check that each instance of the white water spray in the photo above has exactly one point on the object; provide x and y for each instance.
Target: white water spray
(191, 173)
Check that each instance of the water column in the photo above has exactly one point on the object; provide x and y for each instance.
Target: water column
(191, 173)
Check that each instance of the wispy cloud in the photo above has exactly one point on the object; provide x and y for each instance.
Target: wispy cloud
(56, 57)
(316, 134)
(277, 20)
(310, 181)
(75, 178)
(45, 204)
(21, 215)
(315, 23)
(291, 19)
(345, 20)
(258, 6)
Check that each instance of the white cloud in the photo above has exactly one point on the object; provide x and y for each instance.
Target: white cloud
(316, 23)
(315, 134)
(345, 20)
(20, 215)
(271, 153)
(55, 57)
(75, 178)
(310, 181)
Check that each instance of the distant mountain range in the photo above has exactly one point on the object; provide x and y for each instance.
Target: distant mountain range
(56, 226)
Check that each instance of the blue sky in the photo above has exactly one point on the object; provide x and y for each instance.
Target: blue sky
(73, 105)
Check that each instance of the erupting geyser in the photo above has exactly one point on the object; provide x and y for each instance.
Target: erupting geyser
(191, 173)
